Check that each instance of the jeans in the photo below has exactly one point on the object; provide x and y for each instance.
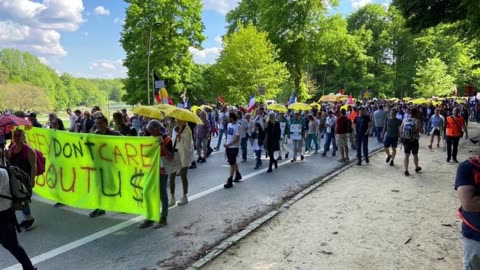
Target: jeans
(283, 146)
(258, 154)
(243, 146)
(26, 209)
(330, 139)
(471, 254)
(452, 141)
(362, 143)
(8, 238)
(183, 174)
(297, 147)
(163, 196)
(310, 138)
(378, 133)
(220, 135)
(202, 146)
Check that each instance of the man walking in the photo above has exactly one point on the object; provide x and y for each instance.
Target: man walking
(232, 146)
(362, 126)
(392, 133)
(296, 135)
(410, 135)
(379, 119)
(455, 126)
(343, 123)
(330, 124)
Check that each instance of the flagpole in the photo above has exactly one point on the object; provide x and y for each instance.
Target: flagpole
(148, 60)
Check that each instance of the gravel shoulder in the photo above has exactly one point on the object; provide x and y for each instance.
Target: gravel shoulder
(367, 217)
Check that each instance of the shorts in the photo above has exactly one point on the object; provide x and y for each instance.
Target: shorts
(436, 132)
(390, 142)
(342, 140)
(410, 147)
(232, 154)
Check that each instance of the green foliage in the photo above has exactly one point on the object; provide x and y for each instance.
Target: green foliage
(433, 79)
(23, 97)
(175, 26)
(247, 62)
(247, 12)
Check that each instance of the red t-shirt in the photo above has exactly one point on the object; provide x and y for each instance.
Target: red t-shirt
(341, 127)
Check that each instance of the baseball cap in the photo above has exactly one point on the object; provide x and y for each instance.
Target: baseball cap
(34, 115)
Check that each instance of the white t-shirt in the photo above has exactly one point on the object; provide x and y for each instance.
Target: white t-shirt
(73, 119)
(4, 190)
(232, 131)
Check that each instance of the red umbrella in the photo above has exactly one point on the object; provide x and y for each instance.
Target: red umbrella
(8, 122)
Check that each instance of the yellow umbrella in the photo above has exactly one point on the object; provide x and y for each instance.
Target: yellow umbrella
(205, 106)
(393, 99)
(316, 104)
(345, 107)
(419, 101)
(298, 106)
(179, 113)
(194, 108)
(148, 111)
(407, 98)
(277, 107)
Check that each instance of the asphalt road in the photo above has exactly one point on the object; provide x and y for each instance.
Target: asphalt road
(66, 238)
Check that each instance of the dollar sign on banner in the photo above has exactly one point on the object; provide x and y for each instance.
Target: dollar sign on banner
(137, 188)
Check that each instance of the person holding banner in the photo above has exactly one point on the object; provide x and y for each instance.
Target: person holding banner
(183, 147)
(21, 155)
(155, 128)
(296, 135)
(101, 125)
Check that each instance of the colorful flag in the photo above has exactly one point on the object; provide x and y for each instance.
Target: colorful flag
(157, 85)
(350, 99)
(221, 100)
(293, 98)
(251, 103)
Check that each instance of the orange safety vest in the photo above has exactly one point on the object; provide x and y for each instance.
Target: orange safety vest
(454, 127)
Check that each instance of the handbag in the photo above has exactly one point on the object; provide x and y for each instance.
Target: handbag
(461, 131)
(174, 165)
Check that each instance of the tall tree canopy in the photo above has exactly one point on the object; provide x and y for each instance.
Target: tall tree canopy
(175, 27)
(248, 62)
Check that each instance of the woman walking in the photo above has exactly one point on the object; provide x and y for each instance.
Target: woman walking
(272, 133)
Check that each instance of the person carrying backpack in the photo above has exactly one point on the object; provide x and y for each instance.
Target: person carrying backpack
(409, 136)
(8, 223)
(24, 157)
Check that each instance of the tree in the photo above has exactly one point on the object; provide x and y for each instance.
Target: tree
(24, 97)
(175, 27)
(432, 79)
(246, 63)
(247, 12)
(89, 92)
(421, 14)
(292, 28)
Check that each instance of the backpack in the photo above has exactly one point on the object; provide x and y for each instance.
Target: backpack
(409, 130)
(40, 158)
(20, 186)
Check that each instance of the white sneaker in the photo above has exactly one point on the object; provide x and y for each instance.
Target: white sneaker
(172, 202)
(183, 201)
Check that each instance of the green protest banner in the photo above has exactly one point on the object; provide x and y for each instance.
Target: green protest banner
(113, 173)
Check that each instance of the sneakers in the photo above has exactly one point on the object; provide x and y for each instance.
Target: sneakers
(456, 161)
(201, 160)
(193, 166)
(430, 146)
(367, 160)
(183, 201)
(293, 160)
(302, 157)
(145, 224)
(229, 183)
(215, 149)
(96, 213)
(359, 162)
(162, 223)
(172, 202)
(238, 177)
(391, 163)
(286, 155)
(418, 169)
(27, 224)
(406, 173)
(389, 157)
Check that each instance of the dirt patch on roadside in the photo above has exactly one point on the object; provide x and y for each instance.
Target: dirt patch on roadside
(368, 217)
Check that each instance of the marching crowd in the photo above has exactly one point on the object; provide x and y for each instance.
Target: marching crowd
(335, 126)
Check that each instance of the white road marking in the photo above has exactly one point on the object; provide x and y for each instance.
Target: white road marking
(85, 240)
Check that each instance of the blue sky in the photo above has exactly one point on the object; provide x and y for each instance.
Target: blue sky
(81, 37)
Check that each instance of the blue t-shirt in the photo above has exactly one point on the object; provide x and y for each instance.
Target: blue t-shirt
(361, 124)
(465, 178)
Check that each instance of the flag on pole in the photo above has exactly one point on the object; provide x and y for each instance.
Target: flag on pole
(350, 99)
(251, 103)
(221, 100)
(293, 98)
(157, 86)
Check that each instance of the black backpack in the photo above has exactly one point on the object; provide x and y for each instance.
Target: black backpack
(20, 186)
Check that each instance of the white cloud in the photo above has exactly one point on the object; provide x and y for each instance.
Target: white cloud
(43, 60)
(34, 25)
(205, 56)
(220, 6)
(108, 69)
(218, 39)
(119, 20)
(100, 10)
(360, 3)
